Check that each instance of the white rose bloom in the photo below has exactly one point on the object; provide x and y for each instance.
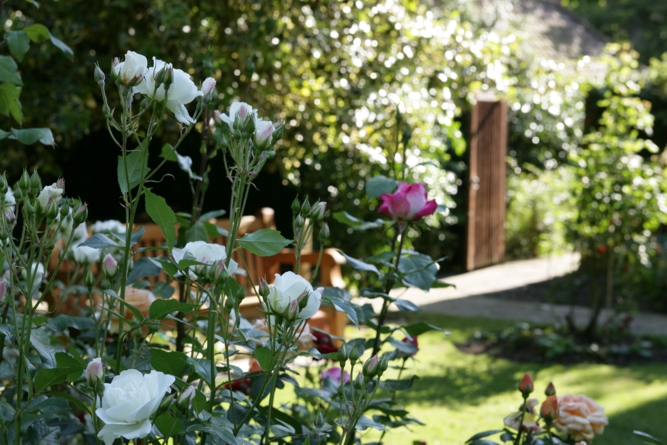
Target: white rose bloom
(37, 274)
(85, 254)
(10, 201)
(111, 225)
(206, 253)
(181, 92)
(290, 286)
(48, 194)
(132, 69)
(241, 109)
(128, 403)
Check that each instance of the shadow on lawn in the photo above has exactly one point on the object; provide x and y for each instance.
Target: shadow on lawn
(649, 418)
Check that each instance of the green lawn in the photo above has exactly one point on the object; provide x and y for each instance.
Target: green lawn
(459, 394)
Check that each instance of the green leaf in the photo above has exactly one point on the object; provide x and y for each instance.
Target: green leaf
(99, 241)
(420, 328)
(162, 215)
(212, 214)
(197, 232)
(360, 265)
(62, 46)
(483, 435)
(202, 367)
(7, 412)
(379, 185)
(398, 385)
(168, 424)
(168, 267)
(62, 322)
(46, 351)
(144, 267)
(29, 136)
(263, 356)
(18, 42)
(356, 223)
(168, 153)
(38, 33)
(333, 296)
(365, 423)
(9, 71)
(47, 377)
(9, 101)
(264, 242)
(64, 360)
(161, 308)
(648, 439)
(419, 270)
(405, 305)
(170, 362)
(134, 171)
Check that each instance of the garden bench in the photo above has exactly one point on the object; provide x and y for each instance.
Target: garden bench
(256, 267)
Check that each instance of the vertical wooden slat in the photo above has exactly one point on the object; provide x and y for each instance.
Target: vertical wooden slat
(487, 179)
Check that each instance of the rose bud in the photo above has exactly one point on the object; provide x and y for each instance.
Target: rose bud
(292, 310)
(550, 390)
(109, 266)
(371, 366)
(186, 397)
(208, 85)
(264, 289)
(549, 409)
(94, 371)
(3, 289)
(526, 385)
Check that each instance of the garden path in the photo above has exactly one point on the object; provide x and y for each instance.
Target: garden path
(470, 296)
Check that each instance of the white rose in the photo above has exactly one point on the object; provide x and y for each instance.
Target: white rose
(288, 287)
(240, 109)
(128, 403)
(182, 91)
(206, 253)
(37, 274)
(111, 225)
(132, 69)
(49, 194)
(85, 254)
(10, 201)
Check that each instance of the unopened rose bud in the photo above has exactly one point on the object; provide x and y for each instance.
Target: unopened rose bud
(383, 365)
(319, 420)
(359, 382)
(305, 208)
(324, 233)
(24, 182)
(3, 290)
(99, 76)
(264, 289)
(90, 279)
(159, 77)
(292, 310)
(370, 369)
(94, 371)
(296, 206)
(80, 214)
(109, 266)
(220, 273)
(52, 211)
(526, 386)
(168, 76)
(317, 211)
(35, 181)
(216, 116)
(343, 354)
(208, 86)
(186, 397)
(114, 63)
(356, 352)
(549, 410)
(550, 390)
(302, 299)
(298, 221)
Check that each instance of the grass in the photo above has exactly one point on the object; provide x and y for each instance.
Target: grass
(459, 395)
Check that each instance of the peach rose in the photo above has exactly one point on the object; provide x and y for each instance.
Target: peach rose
(138, 298)
(580, 417)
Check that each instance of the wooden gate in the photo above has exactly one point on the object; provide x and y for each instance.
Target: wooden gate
(485, 243)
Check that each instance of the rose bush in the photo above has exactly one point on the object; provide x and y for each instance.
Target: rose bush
(128, 403)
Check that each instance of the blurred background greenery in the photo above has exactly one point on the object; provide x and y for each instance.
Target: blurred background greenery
(337, 73)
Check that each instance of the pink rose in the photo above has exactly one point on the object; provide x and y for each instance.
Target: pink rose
(580, 417)
(335, 375)
(408, 203)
